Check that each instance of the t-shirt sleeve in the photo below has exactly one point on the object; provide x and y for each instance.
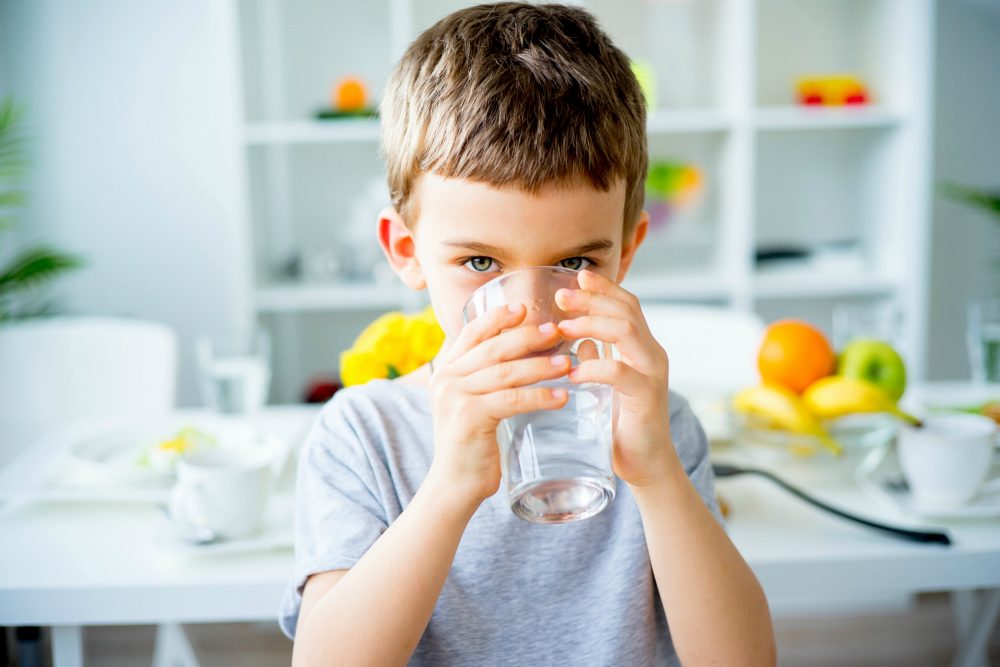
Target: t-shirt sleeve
(692, 447)
(338, 515)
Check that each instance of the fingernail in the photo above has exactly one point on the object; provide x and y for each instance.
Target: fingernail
(559, 394)
(514, 307)
(558, 360)
(548, 327)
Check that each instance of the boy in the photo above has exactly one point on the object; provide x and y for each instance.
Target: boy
(514, 136)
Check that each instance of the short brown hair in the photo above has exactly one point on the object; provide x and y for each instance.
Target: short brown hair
(513, 94)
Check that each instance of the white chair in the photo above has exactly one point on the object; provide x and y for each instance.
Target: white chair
(711, 349)
(54, 371)
(713, 353)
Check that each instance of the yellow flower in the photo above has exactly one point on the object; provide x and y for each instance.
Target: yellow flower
(360, 367)
(392, 345)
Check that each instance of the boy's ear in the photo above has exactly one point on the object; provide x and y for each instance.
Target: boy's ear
(631, 244)
(399, 247)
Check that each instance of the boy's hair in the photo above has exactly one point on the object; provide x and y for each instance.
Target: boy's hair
(519, 95)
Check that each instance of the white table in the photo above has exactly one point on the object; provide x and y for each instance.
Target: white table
(72, 565)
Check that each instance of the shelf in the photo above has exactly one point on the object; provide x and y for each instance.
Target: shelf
(342, 297)
(809, 118)
(775, 173)
(329, 297)
(678, 287)
(313, 131)
(801, 283)
(367, 129)
(686, 121)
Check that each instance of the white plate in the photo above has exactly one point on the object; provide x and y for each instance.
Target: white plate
(983, 506)
(101, 462)
(276, 533)
(947, 396)
(126, 453)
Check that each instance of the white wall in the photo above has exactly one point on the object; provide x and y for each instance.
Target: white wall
(132, 108)
(965, 243)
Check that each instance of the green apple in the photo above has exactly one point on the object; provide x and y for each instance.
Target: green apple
(875, 361)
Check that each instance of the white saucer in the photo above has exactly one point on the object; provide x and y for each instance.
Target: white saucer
(276, 533)
(983, 506)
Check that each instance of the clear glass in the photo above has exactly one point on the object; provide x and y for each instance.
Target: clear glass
(235, 371)
(556, 463)
(984, 340)
(882, 320)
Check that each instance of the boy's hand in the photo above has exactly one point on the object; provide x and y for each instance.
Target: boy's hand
(643, 449)
(479, 380)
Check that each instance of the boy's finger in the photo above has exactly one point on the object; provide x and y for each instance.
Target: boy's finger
(509, 402)
(516, 373)
(593, 303)
(516, 343)
(482, 328)
(625, 379)
(633, 343)
(595, 282)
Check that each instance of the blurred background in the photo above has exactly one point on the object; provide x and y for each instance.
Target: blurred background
(212, 166)
(176, 149)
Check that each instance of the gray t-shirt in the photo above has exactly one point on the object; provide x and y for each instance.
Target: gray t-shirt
(518, 593)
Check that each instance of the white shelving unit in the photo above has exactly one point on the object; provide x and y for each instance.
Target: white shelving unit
(777, 174)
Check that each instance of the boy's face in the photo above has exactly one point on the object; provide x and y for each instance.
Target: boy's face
(468, 233)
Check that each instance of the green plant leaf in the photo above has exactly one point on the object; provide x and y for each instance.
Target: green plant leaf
(12, 140)
(11, 198)
(986, 200)
(35, 266)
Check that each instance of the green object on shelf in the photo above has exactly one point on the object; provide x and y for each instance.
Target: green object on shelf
(333, 114)
(646, 77)
(665, 178)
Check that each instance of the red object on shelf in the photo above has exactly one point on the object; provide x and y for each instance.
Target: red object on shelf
(320, 390)
(836, 90)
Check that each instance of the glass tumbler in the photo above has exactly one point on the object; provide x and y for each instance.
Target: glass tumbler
(556, 463)
(235, 371)
(984, 340)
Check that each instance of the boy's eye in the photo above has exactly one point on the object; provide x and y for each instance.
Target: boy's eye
(575, 263)
(480, 264)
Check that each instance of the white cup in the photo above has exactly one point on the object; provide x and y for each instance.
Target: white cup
(224, 490)
(946, 462)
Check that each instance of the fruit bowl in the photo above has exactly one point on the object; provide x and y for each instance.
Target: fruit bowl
(859, 436)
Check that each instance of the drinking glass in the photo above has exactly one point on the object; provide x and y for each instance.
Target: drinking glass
(235, 371)
(881, 321)
(984, 340)
(556, 463)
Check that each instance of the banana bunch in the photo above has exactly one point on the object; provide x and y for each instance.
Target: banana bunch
(783, 409)
(828, 398)
(838, 396)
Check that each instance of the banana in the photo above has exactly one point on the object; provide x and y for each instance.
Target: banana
(783, 409)
(836, 396)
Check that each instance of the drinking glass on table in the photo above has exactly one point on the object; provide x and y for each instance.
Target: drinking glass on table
(556, 463)
(882, 321)
(235, 371)
(984, 340)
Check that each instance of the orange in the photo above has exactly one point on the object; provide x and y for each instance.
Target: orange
(350, 95)
(794, 354)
